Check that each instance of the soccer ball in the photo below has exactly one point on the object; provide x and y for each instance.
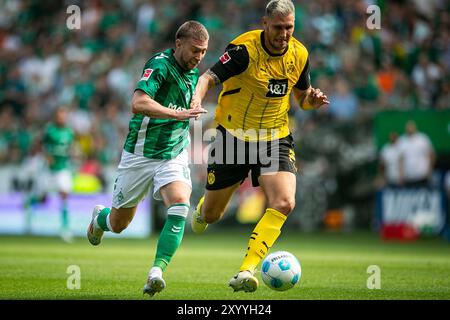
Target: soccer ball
(281, 270)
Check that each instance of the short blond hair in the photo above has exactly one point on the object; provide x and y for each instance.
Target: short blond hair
(192, 30)
(280, 7)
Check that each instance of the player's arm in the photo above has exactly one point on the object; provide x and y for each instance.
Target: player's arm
(205, 82)
(143, 104)
(234, 61)
(308, 97)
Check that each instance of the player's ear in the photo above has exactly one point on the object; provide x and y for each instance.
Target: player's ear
(177, 43)
(264, 21)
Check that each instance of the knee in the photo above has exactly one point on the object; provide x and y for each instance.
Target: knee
(283, 205)
(179, 200)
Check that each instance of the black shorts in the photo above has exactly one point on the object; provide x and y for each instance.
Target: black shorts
(231, 159)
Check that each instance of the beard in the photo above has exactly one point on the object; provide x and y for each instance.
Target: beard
(189, 64)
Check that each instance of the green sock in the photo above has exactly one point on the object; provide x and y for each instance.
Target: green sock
(171, 235)
(101, 219)
(65, 215)
(28, 215)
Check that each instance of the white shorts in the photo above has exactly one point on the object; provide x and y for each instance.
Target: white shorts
(136, 174)
(59, 181)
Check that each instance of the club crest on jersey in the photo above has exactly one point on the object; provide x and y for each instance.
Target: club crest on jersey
(147, 74)
(225, 58)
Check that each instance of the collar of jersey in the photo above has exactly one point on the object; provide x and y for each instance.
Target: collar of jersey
(267, 50)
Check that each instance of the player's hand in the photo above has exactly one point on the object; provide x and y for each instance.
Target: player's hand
(316, 98)
(187, 114)
(196, 103)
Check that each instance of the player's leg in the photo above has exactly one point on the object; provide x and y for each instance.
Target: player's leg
(211, 207)
(65, 229)
(225, 175)
(277, 179)
(105, 219)
(279, 189)
(176, 198)
(37, 194)
(134, 179)
(172, 185)
(64, 184)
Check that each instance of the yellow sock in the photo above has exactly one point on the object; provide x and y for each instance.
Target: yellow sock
(263, 237)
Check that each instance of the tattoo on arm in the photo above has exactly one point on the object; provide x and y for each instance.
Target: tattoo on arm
(214, 76)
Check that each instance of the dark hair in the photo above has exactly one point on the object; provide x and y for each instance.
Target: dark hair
(192, 30)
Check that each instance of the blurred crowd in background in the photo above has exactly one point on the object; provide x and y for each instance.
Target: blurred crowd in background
(93, 72)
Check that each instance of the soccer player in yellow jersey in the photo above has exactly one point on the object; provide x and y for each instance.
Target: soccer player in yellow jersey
(259, 70)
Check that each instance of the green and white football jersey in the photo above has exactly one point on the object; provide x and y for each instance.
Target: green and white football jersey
(166, 82)
(57, 142)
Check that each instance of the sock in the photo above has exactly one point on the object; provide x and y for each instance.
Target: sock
(155, 272)
(171, 235)
(65, 215)
(28, 215)
(102, 220)
(263, 237)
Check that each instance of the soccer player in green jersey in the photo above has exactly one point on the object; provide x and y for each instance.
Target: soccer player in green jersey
(155, 148)
(57, 142)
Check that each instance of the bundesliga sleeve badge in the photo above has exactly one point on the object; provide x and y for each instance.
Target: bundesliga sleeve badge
(225, 58)
(147, 74)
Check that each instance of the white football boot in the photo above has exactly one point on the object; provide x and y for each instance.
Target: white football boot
(155, 282)
(95, 234)
(244, 281)
(67, 236)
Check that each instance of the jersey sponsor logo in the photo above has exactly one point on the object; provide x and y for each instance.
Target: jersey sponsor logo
(277, 88)
(147, 74)
(174, 107)
(225, 58)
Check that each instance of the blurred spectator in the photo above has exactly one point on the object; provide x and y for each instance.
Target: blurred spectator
(426, 76)
(343, 103)
(389, 163)
(416, 157)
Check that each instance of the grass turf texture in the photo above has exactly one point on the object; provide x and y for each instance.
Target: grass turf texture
(334, 266)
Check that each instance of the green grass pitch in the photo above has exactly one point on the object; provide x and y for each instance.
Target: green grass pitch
(334, 266)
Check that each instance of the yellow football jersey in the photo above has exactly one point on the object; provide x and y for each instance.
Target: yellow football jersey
(254, 104)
